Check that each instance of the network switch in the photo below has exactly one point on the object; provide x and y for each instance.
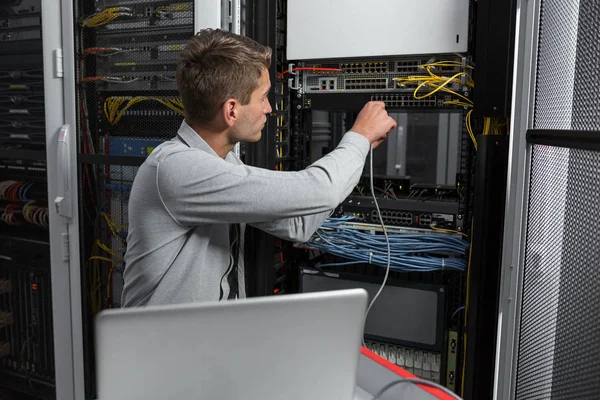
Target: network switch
(171, 37)
(20, 7)
(369, 75)
(133, 82)
(142, 15)
(403, 212)
(22, 129)
(144, 54)
(36, 111)
(154, 68)
(122, 146)
(422, 364)
(23, 21)
(415, 82)
(20, 35)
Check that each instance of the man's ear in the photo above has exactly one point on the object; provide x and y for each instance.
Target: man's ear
(230, 111)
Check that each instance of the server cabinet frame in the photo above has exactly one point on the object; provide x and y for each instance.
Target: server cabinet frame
(59, 97)
(519, 168)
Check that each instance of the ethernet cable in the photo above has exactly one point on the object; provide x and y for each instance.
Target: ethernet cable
(415, 381)
(106, 16)
(387, 239)
(411, 252)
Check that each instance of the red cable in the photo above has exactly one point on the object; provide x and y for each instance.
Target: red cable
(308, 69)
(94, 50)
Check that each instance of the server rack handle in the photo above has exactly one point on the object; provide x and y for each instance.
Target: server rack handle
(62, 201)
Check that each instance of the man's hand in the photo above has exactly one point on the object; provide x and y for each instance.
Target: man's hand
(374, 123)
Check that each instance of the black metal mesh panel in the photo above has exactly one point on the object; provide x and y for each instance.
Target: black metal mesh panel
(129, 105)
(105, 231)
(556, 64)
(559, 344)
(127, 69)
(26, 343)
(542, 271)
(586, 99)
(577, 348)
(21, 75)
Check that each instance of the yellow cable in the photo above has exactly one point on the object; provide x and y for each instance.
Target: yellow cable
(432, 82)
(448, 63)
(115, 107)
(469, 129)
(110, 260)
(105, 16)
(458, 103)
(177, 7)
(435, 228)
(110, 251)
(467, 311)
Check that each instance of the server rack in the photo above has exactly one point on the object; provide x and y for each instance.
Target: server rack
(111, 98)
(103, 79)
(295, 131)
(26, 327)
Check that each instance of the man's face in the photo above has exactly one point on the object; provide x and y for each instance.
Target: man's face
(253, 115)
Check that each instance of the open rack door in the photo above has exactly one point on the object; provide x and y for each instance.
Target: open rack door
(549, 306)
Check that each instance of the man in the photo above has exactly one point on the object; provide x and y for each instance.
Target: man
(192, 197)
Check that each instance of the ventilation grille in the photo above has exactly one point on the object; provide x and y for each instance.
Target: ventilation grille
(556, 64)
(559, 344)
(586, 98)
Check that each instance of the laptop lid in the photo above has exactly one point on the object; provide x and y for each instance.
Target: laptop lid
(297, 347)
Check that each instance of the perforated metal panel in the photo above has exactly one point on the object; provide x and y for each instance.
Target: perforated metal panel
(556, 64)
(106, 232)
(129, 104)
(586, 98)
(541, 283)
(559, 344)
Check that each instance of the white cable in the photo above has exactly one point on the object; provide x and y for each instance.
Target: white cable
(415, 381)
(387, 239)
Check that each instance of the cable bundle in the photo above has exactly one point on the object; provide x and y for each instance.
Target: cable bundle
(36, 215)
(409, 252)
(106, 16)
(439, 83)
(102, 253)
(115, 107)
(30, 213)
(174, 7)
(495, 126)
(104, 51)
(109, 79)
(15, 190)
(9, 216)
(18, 191)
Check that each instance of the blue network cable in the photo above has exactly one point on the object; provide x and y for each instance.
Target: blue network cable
(410, 252)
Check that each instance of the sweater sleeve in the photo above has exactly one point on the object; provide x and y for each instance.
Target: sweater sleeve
(196, 189)
(299, 229)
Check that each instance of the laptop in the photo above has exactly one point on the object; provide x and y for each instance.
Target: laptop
(293, 347)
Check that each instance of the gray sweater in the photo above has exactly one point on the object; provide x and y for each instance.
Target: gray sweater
(184, 198)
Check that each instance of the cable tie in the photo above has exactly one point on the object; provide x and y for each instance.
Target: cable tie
(443, 264)
(370, 256)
